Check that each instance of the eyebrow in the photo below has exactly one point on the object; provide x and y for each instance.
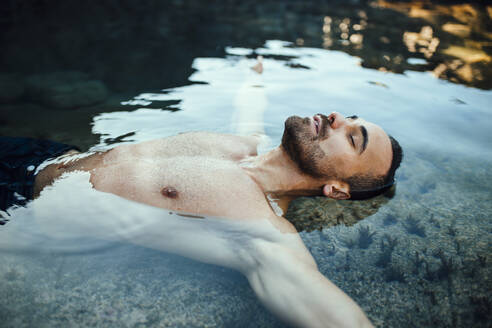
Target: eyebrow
(365, 138)
(363, 131)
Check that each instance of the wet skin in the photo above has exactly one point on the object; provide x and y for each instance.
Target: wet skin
(207, 170)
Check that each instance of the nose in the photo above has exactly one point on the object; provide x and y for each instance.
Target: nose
(336, 120)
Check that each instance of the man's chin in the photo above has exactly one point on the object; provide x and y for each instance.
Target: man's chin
(297, 121)
(292, 119)
(291, 139)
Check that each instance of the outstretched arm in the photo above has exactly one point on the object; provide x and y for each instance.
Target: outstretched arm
(250, 104)
(278, 266)
(297, 292)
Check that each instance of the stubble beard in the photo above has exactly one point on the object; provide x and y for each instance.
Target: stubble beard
(302, 148)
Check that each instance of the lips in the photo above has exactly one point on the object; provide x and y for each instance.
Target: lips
(318, 124)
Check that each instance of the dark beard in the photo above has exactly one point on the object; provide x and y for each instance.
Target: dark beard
(299, 144)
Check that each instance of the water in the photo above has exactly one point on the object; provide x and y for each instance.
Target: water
(419, 259)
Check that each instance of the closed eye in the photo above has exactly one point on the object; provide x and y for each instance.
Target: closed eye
(352, 140)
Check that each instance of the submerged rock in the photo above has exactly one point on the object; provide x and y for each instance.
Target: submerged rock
(317, 213)
(11, 88)
(66, 90)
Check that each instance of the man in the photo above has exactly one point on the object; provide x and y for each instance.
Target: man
(223, 176)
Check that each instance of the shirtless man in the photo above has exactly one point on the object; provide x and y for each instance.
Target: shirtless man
(223, 176)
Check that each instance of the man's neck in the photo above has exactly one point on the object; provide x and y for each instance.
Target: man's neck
(276, 173)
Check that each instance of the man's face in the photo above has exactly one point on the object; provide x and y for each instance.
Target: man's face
(334, 147)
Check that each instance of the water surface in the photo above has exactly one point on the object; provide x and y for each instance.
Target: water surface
(420, 259)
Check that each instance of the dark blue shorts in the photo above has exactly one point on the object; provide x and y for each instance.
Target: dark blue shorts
(19, 158)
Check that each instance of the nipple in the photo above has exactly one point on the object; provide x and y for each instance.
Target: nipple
(169, 192)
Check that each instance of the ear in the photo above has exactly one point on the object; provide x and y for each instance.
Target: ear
(337, 190)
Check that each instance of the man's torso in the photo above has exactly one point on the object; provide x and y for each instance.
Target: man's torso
(196, 173)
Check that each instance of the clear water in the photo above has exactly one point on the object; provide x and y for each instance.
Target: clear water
(60, 266)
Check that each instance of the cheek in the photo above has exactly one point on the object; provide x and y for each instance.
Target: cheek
(334, 147)
(345, 165)
(339, 157)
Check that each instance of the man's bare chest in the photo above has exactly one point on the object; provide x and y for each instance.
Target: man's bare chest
(194, 184)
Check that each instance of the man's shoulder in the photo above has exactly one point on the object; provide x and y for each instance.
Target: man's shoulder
(216, 145)
(205, 136)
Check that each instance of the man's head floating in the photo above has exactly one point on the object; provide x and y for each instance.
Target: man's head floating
(354, 158)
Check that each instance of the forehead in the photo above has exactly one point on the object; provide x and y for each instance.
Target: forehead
(378, 154)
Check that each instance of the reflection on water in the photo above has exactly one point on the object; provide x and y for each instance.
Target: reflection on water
(465, 34)
(454, 41)
(116, 51)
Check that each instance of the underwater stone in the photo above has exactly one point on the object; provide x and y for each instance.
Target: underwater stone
(66, 90)
(316, 213)
(11, 88)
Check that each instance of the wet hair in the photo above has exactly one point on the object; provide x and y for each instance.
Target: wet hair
(368, 186)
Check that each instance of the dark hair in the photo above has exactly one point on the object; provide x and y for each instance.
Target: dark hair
(365, 186)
